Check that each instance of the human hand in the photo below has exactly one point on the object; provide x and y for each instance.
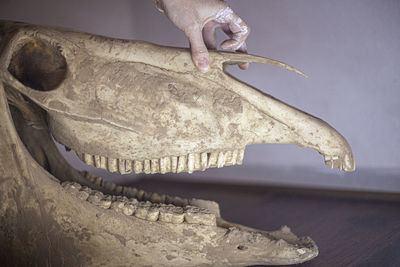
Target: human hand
(199, 19)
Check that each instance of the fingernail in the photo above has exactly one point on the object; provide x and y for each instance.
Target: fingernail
(203, 64)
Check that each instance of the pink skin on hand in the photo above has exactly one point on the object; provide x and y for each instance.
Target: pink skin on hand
(199, 19)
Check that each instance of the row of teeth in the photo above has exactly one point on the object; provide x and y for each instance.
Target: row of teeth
(187, 163)
(142, 209)
(334, 162)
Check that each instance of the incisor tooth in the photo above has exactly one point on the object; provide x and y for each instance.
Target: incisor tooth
(155, 166)
(174, 164)
(147, 167)
(88, 159)
(138, 166)
(190, 163)
(112, 165)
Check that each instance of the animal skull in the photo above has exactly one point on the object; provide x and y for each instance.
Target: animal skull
(130, 106)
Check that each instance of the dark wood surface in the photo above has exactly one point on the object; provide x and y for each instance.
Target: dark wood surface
(350, 228)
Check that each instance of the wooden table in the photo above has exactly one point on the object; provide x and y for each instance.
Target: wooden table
(350, 228)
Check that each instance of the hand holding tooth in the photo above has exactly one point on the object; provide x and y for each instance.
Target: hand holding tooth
(199, 19)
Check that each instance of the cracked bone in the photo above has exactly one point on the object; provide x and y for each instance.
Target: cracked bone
(133, 106)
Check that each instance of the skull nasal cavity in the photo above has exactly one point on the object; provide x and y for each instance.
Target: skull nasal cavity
(39, 65)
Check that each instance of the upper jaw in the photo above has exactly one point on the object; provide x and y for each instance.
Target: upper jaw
(132, 106)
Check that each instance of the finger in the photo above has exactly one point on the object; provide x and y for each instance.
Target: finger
(199, 50)
(209, 35)
(239, 31)
(243, 49)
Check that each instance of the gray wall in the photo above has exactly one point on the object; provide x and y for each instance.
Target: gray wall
(349, 49)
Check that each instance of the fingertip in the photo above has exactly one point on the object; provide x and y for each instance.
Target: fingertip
(203, 64)
(244, 66)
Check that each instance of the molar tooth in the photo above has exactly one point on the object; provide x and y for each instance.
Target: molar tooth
(212, 160)
(95, 197)
(153, 213)
(156, 198)
(118, 205)
(234, 157)
(182, 163)
(155, 166)
(165, 165)
(97, 161)
(195, 215)
(228, 158)
(88, 159)
(147, 167)
(128, 166)
(84, 193)
(190, 163)
(138, 166)
(121, 166)
(129, 191)
(240, 156)
(221, 159)
(171, 214)
(129, 209)
(112, 165)
(103, 162)
(105, 203)
(197, 161)
(80, 155)
(174, 164)
(204, 161)
(142, 210)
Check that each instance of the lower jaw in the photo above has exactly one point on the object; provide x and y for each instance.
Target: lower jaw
(152, 208)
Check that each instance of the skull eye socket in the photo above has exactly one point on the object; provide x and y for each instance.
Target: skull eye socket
(39, 65)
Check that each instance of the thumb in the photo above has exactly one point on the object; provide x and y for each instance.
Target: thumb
(200, 54)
